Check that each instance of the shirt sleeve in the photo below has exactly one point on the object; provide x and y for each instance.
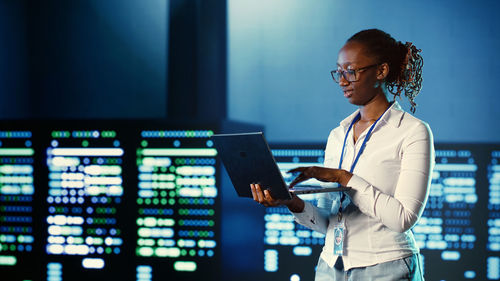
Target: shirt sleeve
(317, 217)
(401, 211)
(313, 217)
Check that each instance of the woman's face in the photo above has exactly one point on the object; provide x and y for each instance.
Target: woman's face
(353, 57)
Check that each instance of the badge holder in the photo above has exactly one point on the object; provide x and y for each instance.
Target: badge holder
(339, 234)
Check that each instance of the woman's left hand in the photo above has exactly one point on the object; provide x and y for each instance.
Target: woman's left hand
(321, 174)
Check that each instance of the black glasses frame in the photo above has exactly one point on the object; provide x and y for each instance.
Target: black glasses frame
(353, 72)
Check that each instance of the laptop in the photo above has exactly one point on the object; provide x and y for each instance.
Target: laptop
(248, 159)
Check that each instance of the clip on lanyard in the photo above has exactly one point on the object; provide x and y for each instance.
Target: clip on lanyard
(361, 149)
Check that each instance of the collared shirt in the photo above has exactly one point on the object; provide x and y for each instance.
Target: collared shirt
(390, 186)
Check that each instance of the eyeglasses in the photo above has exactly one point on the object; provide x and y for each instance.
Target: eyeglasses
(350, 75)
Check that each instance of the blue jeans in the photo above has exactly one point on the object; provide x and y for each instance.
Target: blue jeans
(408, 269)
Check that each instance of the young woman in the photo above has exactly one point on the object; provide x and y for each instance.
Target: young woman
(384, 154)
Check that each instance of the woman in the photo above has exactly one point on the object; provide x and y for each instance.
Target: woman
(384, 154)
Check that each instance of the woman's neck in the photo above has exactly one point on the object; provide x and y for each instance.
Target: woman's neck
(374, 108)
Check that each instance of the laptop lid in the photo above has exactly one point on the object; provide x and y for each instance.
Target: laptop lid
(248, 159)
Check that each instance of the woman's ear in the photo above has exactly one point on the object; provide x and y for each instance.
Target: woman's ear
(383, 71)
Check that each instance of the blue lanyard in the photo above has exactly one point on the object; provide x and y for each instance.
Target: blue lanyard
(364, 141)
(360, 150)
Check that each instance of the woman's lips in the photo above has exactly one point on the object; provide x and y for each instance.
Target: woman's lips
(347, 93)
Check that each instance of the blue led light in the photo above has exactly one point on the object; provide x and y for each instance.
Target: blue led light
(144, 273)
(54, 271)
(493, 268)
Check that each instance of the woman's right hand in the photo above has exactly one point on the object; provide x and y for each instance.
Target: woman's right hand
(295, 204)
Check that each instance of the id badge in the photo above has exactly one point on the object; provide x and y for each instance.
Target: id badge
(338, 238)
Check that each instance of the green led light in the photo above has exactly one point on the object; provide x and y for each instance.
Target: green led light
(164, 201)
(179, 152)
(108, 134)
(8, 260)
(139, 201)
(183, 252)
(150, 221)
(60, 134)
(156, 201)
(192, 252)
(185, 266)
(171, 201)
(144, 143)
(17, 151)
(211, 223)
(17, 180)
(109, 250)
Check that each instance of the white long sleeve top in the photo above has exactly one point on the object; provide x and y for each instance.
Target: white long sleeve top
(390, 186)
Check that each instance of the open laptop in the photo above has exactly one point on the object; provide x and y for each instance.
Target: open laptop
(248, 159)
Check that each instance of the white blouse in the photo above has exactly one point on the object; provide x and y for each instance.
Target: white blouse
(390, 187)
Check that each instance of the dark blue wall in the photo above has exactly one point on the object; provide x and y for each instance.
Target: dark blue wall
(84, 59)
(280, 54)
(108, 59)
(13, 60)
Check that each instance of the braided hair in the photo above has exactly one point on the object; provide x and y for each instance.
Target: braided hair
(405, 62)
